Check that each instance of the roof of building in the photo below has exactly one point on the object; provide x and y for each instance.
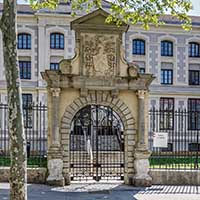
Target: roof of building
(21, 9)
(64, 8)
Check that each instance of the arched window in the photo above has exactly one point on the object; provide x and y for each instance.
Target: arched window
(194, 49)
(138, 47)
(24, 41)
(166, 48)
(57, 41)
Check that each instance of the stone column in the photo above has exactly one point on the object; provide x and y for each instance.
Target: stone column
(55, 162)
(141, 120)
(141, 162)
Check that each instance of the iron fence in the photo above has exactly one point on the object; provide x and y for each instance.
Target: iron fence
(35, 126)
(183, 128)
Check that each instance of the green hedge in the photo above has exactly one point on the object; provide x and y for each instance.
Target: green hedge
(31, 162)
(174, 162)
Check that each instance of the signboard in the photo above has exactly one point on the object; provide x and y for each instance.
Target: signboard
(160, 139)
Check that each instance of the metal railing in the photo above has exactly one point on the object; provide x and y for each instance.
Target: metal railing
(183, 128)
(35, 125)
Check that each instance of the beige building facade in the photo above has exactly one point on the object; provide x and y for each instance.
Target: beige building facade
(177, 70)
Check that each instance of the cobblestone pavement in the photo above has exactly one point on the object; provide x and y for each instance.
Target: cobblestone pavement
(108, 191)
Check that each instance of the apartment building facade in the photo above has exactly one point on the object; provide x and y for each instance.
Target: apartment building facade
(169, 52)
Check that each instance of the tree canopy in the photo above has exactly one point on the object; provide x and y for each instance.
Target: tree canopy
(146, 12)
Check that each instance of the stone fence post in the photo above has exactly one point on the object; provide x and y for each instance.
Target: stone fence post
(141, 162)
(55, 161)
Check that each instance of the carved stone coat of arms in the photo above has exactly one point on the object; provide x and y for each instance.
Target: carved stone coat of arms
(99, 55)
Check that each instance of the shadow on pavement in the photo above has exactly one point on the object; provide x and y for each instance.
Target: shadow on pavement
(96, 191)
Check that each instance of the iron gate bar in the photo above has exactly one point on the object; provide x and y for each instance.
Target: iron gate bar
(97, 137)
(183, 139)
(35, 126)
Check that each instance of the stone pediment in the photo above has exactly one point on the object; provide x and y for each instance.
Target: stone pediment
(96, 20)
(99, 62)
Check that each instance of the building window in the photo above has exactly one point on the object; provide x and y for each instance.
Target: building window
(24, 41)
(142, 70)
(194, 114)
(166, 113)
(166, 48)
(168, 149)
(57, 41)
(54, 66)
(194, 49)
(25, 69)
(27, 101)
(193, 147)
(194, 77)
(166, 76)
(139, 47)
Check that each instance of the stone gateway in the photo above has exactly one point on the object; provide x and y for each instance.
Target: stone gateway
(98, 109)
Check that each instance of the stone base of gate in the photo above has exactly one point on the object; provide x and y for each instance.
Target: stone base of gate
(67, 178)
(141, 165)
(55, 167)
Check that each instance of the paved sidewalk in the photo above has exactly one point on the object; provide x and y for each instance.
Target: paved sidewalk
(108, 191)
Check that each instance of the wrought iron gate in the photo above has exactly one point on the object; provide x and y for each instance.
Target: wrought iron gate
(97, 144)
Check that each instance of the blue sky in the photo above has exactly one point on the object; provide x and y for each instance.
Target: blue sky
(195, 11)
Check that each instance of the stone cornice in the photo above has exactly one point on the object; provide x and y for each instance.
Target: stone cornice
(57, 79)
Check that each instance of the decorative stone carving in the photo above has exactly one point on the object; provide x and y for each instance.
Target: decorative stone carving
(132, 70)
(99, 54)
(55, 168)
(55, 92)
(141, 94)
(65, 66)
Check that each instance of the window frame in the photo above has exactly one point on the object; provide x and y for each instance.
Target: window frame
(55, 66)
(165, 48)
(194, 50)
(166, 115)
(194, 114)
(166, 79)
(192, 74)
(193, 147)
(24, 42)
(169, 147)
(138, 47)
(25, 69)
(142, 70)
(27, 110)
(56, 39)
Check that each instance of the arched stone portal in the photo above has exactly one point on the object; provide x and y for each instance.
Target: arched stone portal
(98, 75)
(125, 115)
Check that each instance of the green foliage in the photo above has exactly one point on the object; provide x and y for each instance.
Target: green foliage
(31, 162)
(146, 12)
(169, 162)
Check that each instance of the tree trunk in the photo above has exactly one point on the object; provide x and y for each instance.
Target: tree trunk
(16, 131)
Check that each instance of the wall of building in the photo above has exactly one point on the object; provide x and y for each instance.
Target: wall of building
(41, 24)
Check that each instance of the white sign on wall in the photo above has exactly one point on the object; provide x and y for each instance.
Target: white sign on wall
(160, 139)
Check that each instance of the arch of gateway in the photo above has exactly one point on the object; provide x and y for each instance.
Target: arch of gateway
(98, 109)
